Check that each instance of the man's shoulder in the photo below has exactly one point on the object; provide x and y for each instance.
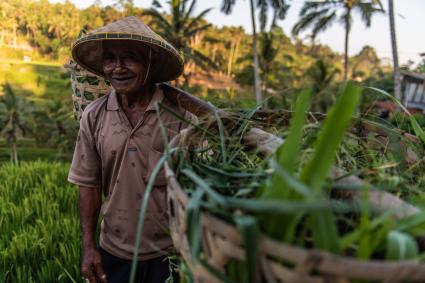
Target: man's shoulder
(172, 105)
(95, 107)
(93, 111)
(174, 109)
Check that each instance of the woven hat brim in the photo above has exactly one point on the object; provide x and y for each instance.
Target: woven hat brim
(87, 52)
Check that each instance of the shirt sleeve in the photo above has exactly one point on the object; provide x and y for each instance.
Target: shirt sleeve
(86, 163)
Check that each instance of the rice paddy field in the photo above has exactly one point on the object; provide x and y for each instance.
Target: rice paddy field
(37, 79)
(28, 151)
(39, 239)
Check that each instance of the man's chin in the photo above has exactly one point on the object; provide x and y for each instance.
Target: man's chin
(123, 89)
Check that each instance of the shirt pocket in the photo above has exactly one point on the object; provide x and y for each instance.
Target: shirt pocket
(158, 140)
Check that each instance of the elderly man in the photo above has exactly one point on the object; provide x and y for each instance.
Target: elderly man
(118, 145)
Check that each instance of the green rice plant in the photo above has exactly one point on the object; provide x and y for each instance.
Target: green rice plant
(39, 239)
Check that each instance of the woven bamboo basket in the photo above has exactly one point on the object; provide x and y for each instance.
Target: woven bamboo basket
(277, 261)
(86, 87)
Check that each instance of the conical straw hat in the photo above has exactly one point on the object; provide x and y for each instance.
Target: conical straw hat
(87, 50)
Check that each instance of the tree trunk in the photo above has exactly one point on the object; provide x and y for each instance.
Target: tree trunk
(397, 79)
(347, 34)
(3, 33)
(257, 80)
(230, 60)
(266, 94)
(214, 51)
(15, 41)
(235, 55)
(14, 154)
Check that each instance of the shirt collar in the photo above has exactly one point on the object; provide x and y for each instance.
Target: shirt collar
(113, 104)
(157, 97)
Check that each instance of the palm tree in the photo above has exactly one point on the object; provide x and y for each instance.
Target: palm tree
(53, 124)
(397, 83)
(280, 7)
(319, 15)
(12, 118)
(125, 6)
(268, 52)
(321, 75)
(181, 28)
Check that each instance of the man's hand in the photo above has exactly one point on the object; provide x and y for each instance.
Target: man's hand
(90, 202)
(91, 266)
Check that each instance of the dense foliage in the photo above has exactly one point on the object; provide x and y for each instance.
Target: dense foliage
(50, 32)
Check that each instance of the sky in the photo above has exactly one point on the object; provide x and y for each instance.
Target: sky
(410, 23)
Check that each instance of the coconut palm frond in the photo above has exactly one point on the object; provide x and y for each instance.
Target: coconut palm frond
(227, 6)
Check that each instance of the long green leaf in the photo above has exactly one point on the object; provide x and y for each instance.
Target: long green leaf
(222, 136)
(330, 137)
(288, 153)
(283, 185)
(259, 206)
(193, 222)
(142, 214)
(203, 185)
(250, 232)
(325, 233)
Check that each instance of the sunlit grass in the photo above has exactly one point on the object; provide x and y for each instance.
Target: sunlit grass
(39, 239)
(40, 79)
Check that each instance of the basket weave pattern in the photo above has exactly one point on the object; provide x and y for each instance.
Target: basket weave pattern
(86, 87)
(277, 262)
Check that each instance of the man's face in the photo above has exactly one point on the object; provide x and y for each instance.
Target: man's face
(125, 65)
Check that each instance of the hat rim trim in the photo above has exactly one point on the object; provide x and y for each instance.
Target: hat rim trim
(125, 36)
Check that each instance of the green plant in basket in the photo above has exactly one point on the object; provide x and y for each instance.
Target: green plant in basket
(291, 196)
(359, 232)
(314, 173)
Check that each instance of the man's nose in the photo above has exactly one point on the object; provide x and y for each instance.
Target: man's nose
(119, 63)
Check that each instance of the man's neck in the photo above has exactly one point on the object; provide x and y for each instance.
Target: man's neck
(139, 99)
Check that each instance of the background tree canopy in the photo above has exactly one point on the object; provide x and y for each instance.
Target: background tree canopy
(219, 60)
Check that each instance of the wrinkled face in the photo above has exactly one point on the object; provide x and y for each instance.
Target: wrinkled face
(125, 65)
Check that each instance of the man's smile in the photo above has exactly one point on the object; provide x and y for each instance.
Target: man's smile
(122, 79)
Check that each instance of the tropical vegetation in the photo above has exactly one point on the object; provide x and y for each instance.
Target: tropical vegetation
(237, 71)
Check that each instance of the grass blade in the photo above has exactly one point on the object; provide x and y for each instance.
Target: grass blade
(205, 187)
(334, 127)
(193, 222)
(288, 153)
(222, 136)
(325, 233)
(142, 214)
(250, 232)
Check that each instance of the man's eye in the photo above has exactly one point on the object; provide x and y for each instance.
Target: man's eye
(108, 56)
(131, 57)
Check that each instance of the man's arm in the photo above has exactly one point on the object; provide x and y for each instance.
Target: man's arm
(90, 202)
